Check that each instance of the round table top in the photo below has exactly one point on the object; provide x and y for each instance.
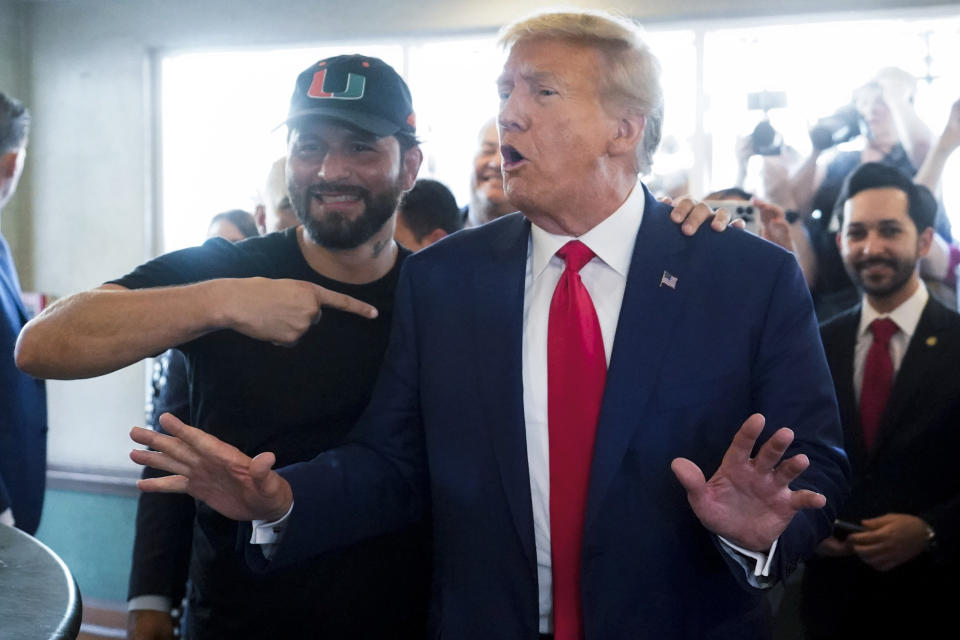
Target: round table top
(38, 596)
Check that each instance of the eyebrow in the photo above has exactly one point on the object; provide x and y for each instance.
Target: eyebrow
(530, 76)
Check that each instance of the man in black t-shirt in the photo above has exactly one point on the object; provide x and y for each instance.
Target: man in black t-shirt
(265, 371)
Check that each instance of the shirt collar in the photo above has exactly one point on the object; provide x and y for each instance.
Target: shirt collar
(907, 315)
(605, 239)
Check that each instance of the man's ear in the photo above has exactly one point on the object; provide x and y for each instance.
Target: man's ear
(433, 236)
(629, 134)
(924, 241)
(8, 164)
(260, 218)
(410, 167)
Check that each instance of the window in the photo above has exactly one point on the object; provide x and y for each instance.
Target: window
(220, 110)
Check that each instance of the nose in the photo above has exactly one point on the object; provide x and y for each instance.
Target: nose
(873, 244)
(513, 112)
(334, 167)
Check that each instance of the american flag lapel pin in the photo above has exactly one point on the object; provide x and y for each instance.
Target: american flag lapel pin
(668, 279)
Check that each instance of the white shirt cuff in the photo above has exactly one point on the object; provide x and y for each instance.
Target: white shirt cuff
(761, 562)
(149, 603)
(268, 534)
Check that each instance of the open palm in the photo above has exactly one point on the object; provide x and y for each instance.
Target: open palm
(748, 500)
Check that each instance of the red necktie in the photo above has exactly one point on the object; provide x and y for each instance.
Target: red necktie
(877, 378)
(577, 371)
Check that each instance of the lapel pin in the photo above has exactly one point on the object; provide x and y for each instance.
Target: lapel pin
(668, 279)
(932, 341)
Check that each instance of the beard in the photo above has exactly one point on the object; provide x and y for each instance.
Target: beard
(902, 269)
(336, 230)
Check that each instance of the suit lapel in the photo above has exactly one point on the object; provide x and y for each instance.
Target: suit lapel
(498, 333)
(840, 351)
(647, 316)
(895, 426)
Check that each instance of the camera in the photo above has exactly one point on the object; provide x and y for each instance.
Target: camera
(741, 209)
(765, 140)
(835, 129)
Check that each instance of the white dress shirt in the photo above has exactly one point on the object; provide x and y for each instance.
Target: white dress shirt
(906, 316)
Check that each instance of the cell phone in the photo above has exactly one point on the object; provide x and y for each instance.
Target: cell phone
(742, 209)
(843, 528)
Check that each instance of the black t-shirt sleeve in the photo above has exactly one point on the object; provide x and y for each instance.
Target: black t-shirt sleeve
(215, 258)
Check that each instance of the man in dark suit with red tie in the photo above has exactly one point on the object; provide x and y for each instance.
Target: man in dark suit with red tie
(550, 378)
(890, 568)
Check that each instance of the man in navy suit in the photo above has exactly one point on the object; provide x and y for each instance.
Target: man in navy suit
(697, 334)
(899, 397)
(23, 400)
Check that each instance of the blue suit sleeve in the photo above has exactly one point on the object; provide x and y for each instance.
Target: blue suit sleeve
(793, 384)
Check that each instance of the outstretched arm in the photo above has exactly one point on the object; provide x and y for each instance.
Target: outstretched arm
(932, 168)
(99, 331)
(748, 500)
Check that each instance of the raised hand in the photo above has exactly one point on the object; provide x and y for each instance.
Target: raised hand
(281, 311)
(748, 500)
(210, 470)
(950, 138)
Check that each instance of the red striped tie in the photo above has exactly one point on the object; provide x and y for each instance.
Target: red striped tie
(577, 371)
(877, 379)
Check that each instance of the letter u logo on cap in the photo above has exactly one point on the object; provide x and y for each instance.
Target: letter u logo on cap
(356, 85)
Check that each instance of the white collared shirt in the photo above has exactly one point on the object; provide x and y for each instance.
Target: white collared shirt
(906, 316)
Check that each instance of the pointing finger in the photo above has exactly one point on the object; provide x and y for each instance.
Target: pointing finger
(327, 298)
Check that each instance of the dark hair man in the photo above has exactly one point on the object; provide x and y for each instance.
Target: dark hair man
(545, 372)
(234, 225)
(890, 568)
(23, 404)
(266, 371)
(427, 213)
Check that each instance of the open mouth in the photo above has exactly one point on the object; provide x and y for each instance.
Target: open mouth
(511, 157)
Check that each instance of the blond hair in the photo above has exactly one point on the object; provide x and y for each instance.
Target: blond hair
(632, 78)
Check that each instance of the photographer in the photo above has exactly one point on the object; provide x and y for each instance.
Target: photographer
(894, 135)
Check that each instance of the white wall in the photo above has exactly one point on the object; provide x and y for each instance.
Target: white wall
(90, 174)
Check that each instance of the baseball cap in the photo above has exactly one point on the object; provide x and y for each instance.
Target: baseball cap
(360, 90)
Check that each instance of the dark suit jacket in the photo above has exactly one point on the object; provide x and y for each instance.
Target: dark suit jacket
(23, 412)
(911, 469)
(445, 431)
(164, 530)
